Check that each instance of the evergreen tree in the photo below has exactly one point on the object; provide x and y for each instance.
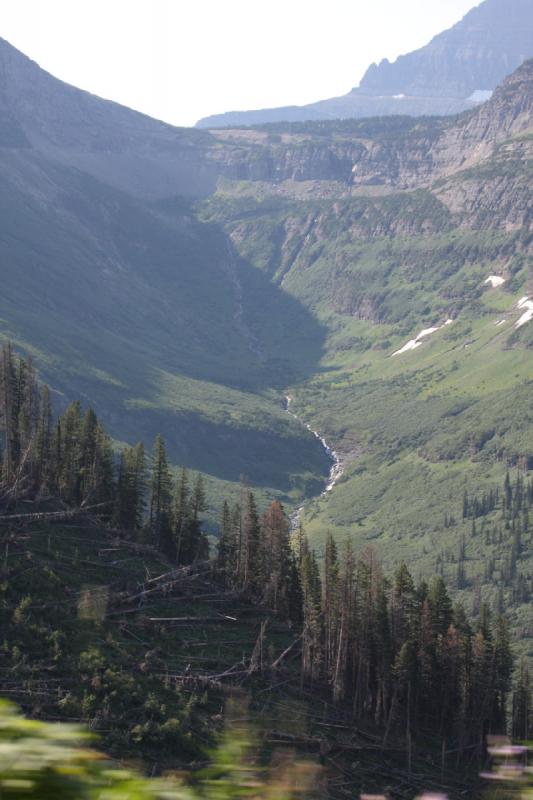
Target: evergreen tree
(226, 551)
(44, 440)
(312, 653)
(181, 513)
(193, 545)
(131, 488)
(68, 449)
(522, 719)
(277, 558)
(251, 565)
(161, 499)
(330, 605)
(440, 606)
(8, 409)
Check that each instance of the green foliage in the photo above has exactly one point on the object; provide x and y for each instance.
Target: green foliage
(53, 762)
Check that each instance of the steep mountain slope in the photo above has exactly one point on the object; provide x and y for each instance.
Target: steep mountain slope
(457, 69)
(123, 148)
(130, 300)
(476, 54)
(433, 226)
(390, 153)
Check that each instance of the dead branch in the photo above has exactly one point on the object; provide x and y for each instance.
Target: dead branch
(286, 652)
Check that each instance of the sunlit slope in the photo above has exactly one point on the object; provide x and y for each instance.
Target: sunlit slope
(453, 410)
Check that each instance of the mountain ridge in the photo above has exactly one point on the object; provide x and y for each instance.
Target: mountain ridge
(445, 77)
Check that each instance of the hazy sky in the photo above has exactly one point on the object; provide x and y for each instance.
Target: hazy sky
(179, 60)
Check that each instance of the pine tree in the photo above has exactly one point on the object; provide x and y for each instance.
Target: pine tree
(251, 565)
(404, 607)
(522, 709)
(8, 409)
(312, 652)
(440, 606)
(43, 442)
(347, 604)
(276, 548)
(69, 450)
(330, 605)
(226, 551)
(181, 512)
(192, 543)
(160, 500)
(503, 668)
(88, 459)
(131, 488)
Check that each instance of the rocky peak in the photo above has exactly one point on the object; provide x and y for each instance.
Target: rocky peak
(477, 53)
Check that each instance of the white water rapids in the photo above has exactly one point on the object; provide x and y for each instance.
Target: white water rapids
(336, 470)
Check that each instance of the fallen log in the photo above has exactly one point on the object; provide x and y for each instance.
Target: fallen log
(203, 620)
(286, 652)
(50, 516)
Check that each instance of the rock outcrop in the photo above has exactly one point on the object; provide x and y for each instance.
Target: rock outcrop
(402, 154)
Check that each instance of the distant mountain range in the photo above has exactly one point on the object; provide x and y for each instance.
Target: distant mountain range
(458, 69)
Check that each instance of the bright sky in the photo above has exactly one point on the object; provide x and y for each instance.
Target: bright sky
(179, 60)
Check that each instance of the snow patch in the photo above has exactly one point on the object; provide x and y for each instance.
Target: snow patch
(495, 281)
(412, 344)
(527, 316)
(480, 95)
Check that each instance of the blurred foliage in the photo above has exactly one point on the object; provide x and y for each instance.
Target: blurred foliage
(54, 762)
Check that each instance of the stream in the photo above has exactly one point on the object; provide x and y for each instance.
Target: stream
(336, 469)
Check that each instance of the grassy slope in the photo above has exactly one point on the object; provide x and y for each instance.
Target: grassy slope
(414, 429)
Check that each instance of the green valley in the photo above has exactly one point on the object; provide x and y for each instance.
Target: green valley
(295, 258)
(414, 429)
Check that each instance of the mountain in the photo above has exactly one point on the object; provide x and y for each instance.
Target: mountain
(133, 302)
(476, 54)
(377, 271)
(456, 70)
(410, 241)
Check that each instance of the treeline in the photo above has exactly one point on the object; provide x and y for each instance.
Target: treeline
(399, 654)
(255, 556)
(383, 650)
(515, 499)
(71, 459)
(500, 519)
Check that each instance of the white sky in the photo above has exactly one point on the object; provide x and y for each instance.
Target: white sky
(179, 60)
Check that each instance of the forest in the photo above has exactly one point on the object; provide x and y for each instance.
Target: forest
(383, 650)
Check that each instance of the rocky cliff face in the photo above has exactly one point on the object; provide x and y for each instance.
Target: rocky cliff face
(149, 158)
(399, 155)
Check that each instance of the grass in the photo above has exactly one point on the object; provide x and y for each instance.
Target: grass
(414, 430)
